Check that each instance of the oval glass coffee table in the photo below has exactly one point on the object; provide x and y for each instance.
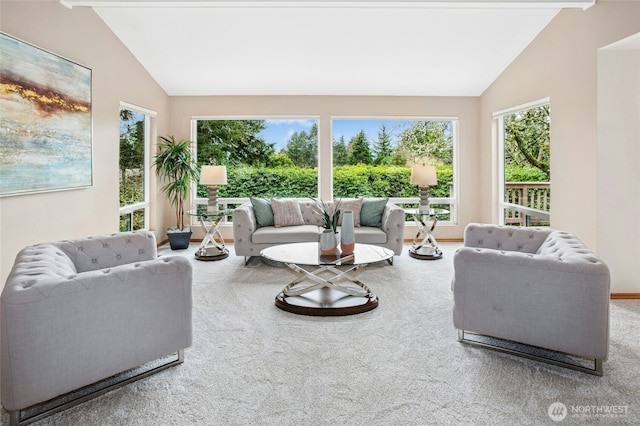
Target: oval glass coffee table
(326, 290)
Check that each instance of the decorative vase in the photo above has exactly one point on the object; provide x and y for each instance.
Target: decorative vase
(347, 233)
(328, 242)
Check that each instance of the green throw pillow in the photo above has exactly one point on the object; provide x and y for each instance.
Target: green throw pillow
(371, 211)
(263, 211)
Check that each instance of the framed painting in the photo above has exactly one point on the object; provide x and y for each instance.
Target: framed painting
(45, 121)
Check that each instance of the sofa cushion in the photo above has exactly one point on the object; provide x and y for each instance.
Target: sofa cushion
(372, 210)
(310, 212)
(370, 235)
(263, 211)
(290, 234)
(286, 212)
(354, 205)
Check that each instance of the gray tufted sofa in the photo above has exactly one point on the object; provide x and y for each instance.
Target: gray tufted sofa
(76, 312)
(249, 239)
(539, 287)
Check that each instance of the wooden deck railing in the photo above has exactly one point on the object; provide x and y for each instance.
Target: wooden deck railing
(531, 195)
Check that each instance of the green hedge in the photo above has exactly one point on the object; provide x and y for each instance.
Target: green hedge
(349, 181)
(515, 173)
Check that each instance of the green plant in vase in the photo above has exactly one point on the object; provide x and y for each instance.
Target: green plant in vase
(329, 217)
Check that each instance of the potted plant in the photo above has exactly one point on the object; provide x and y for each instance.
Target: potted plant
(176, 166)
(329, 217)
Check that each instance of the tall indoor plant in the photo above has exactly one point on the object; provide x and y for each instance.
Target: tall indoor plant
(176, 166)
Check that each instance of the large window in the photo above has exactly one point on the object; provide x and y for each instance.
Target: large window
(525, 176)
(134, 167)
(373, 157)
(264, 158)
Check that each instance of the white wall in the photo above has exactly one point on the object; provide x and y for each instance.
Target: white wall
(79, 35)
(561, 63)
(618, 174)
(326, 107)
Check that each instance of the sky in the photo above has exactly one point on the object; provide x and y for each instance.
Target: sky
(279, 131)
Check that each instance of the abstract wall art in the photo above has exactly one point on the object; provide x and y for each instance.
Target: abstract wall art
(45, 120)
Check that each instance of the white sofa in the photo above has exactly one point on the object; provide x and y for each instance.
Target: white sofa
(538, 287)
(250, 238)
(78, 311)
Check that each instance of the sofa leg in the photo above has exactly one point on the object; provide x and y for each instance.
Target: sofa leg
(14, 418)
(598, 367)
(478, 340)
(73, 398)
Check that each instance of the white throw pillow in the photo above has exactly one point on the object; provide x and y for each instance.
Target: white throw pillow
(286, 212)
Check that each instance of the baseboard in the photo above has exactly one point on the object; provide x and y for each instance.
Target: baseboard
(193, 240)
(614, 296)
(406, 241)
(230, 241)
(618, 296)
(440, 240)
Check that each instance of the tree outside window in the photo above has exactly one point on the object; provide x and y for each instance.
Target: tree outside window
(371, 158)
(132, 172)
(380, 154)
(527, 173)
(254, 167)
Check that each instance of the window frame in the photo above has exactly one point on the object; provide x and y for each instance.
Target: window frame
(223, 201)
(452, 201)
(144, 205)
(499, 140)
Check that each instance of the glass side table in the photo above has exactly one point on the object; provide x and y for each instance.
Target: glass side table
(425, 246)
(212, 246)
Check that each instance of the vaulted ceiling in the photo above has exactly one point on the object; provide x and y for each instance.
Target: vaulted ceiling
(418, 48)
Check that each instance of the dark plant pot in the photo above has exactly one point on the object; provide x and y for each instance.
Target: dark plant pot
(179, 240)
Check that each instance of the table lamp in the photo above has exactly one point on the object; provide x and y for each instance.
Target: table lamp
(424, 177)
(212, 176)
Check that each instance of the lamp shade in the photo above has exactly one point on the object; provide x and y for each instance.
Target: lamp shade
(213, 175)
(424, 176)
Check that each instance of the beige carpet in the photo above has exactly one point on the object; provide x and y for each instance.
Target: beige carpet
(400, 364)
